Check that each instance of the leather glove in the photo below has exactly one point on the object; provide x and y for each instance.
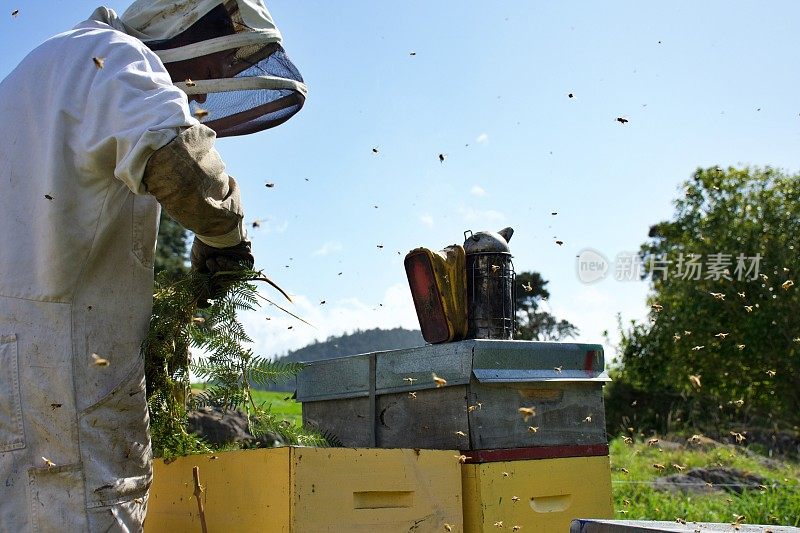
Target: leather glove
(209, 260)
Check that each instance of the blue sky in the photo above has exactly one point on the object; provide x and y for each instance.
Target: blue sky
(701, 83)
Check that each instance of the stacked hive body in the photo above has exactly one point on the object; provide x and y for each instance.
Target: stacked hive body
(308, 490)
(527, 416)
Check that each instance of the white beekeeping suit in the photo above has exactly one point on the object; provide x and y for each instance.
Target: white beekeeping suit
(95, 134)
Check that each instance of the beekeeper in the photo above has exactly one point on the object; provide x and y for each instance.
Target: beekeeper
(101, 124)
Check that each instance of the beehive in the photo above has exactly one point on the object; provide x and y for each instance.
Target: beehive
(542, 495)
(391, 400)
(309, 490)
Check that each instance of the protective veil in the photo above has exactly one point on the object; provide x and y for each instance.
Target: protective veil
(259, 88)
(89, 108)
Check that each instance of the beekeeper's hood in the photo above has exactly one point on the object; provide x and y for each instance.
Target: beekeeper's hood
(261, 88)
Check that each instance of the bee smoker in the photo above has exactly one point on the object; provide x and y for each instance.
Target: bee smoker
(490, 285)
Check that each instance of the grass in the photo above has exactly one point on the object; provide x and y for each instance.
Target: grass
(776, 503)
(279, 403)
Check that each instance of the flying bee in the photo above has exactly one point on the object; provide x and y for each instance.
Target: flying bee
(462, 458)
(48, 462)
(627, 440)
(200, 113)
(764, 277)
(515, 499)
(722, 335)
(738, 436)
(99, 62)
(771, 373)
(506, 474)
(448, 527)
(533, 429)
(659, 466)
(440, 382)
(189, 82)
(460, 434)
(676, 337)
(99, 361)
(559, 242)
(48, 196)
(198, 320)
(687, 333)
(679, 468)
(741, 294)
(410, 380)
(558, 368)
(499, 523)
(622, 120)
(412, 395)
(588, 418)
(787, 284)
(695, 381)
(737, 403)
(15, 13)
(718, 295)
(495, 268)
(698, 348)
(527, 412)
(375, 150)
(624, 470)
(652, 442)
(442, 157)
(657, 307)
(740, 347)
(516, 528)
(528, 287)
(748, 308)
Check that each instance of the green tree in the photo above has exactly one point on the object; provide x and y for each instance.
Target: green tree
(172, 251)
(532, 322)
(722, 344)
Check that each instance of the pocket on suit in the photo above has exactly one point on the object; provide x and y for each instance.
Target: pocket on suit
(12, 434)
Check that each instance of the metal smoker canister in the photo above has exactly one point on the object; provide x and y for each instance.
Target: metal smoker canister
(490, 285)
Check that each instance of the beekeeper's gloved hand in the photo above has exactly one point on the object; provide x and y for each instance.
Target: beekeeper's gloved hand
(209, 260)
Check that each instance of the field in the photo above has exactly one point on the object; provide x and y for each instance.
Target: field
(776, 501)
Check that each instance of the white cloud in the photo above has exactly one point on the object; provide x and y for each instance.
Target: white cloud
(487, 217)
(477, 190)
(427, 220)
(482, 138)
(328, 248)
(273, 337)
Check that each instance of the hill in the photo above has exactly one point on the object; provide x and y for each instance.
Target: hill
(371, 340)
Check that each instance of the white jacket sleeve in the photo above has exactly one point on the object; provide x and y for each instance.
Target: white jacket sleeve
(133, 110)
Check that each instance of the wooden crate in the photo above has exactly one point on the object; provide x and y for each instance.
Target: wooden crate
(390, 400)
(541, 495)
(298, 490)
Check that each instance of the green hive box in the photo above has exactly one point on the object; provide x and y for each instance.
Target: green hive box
(391, 400)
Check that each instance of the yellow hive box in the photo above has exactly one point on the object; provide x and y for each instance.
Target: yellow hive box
(539, 496)
(313, 490)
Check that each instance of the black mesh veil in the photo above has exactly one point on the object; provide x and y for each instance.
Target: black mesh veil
(253, 84)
